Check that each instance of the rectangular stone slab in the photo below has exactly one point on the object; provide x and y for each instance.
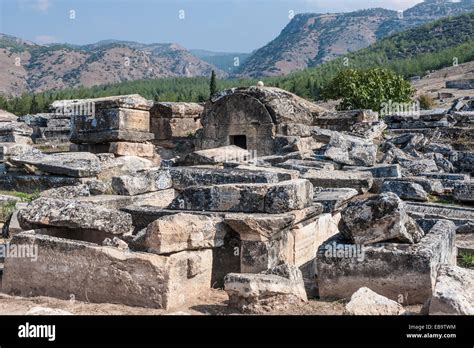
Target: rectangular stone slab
(121, 148)
(100, 274)
(35, 183)
(401, 272)
(195, 176)
(361, 181)
(457, 214)
(249, 198)
(334, 199)
(74, 164)
(159, 199)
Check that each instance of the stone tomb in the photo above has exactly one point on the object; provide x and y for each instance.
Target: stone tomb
(405, 273)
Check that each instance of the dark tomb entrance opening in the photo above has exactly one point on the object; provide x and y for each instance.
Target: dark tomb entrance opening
(239, 140)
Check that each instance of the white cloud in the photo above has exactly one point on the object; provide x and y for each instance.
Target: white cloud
(45, 39)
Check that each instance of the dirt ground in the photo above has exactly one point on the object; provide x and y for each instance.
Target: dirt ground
(214, 303)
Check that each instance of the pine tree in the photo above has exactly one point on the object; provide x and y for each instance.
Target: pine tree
(213, 85)
(34, 106)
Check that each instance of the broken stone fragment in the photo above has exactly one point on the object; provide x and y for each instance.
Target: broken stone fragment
(48, 212)
(142, 182)
(367, 302)
(266, 291)
(178, 232)
(116, 243)
(73, 164)
(454, 292)
(351, 151)
(380, 218)
(406, 190)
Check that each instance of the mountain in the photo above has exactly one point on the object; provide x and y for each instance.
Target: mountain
(28, 67)
(311, 39)
(414, 52)
(226, 61)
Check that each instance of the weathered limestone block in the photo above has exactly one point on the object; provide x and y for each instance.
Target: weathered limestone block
(174, 233)
(464, 192)
(15, 132)
(398, 271)
(377, 219)
(142, 182)
(448, 180)
(67, 192)
(416, 167)
(101, 274)
(8, 150)
(132, 149)
(351, 152)
(123, 165)
(218, 155)
(334, 199)
(158, 199)
(259, 293)
(184, 177)
(44, 212)
(360, 181)
(405, 190)
(380, 170)
(176, 110)
(109, 120)
(366, 302)
(78, 164)
(463, 161)
(454, 292)
(258, 256)
(304, 166)
(130, 101)
(169, 128)
(6, 116)
(308, 236)
(462, 217)
(344, 120)
(35, 183)
(252, 198)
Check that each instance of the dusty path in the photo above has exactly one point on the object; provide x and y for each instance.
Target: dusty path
(214, 303)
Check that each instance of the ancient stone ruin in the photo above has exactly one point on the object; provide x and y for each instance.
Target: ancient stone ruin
(274, 201)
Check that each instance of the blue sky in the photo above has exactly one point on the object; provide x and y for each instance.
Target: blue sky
(218, 25)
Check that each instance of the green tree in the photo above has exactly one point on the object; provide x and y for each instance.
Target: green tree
(213, 85)
(368, 89)
(34, 106)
